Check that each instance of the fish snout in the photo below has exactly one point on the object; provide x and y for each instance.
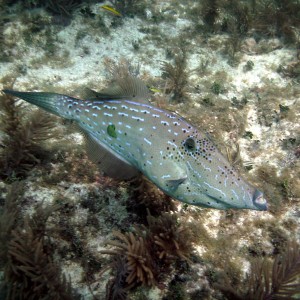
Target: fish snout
(259, 201)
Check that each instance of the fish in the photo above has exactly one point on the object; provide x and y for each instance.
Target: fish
(127, 135)
(111, 10)
(154, 89)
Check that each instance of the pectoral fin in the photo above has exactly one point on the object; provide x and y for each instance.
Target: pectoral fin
(174, 183)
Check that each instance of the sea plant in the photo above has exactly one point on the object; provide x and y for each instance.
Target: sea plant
(138, 259)
(10, 218)
(148, 199)
(210, 13)
(130, 8)
(172, 240)
(62, 7)
(177, 77)
(217, 88)
(266, 280)
(28, 266)
(144, 256)
(24, 136)
(266, 18)
(248, 66)
(277, 18)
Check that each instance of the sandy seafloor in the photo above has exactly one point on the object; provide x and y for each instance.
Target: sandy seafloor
(77, 62)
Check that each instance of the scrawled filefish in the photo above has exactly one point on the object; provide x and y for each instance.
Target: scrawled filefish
(126, 136)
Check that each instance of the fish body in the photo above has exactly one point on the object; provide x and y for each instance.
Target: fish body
(172, 153)
(111, 10)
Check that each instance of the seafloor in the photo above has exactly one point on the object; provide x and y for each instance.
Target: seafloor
(240, 86)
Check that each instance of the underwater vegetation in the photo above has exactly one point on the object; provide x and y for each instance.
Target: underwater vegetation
(147, 199)
(150, 247)
(277, 18)
(266, 280)
(24, 136)
(263, 18)
(145, 255)
(62, 8)
(29, 269)
(130, 8)
(61, 11)
(176, 77)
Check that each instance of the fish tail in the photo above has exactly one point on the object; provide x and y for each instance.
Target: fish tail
(50, 102)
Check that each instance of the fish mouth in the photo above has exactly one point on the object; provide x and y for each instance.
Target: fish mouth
(259, 201)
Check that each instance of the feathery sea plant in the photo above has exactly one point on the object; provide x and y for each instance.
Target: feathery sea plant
(177, 77)
(23, 137)
(172, 240)
(277, 18)
(134, 250)
(278, 280)
(147, 198)
(25, 253)
(10, 217)
(145, 256)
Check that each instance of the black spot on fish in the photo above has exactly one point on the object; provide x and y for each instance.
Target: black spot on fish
(190, 144)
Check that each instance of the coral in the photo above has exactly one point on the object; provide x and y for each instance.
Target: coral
(279, 280)
(23, 138)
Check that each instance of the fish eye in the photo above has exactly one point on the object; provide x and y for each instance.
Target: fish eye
(190, 144)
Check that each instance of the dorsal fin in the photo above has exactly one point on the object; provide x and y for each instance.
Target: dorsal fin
(108, 162)
(129, 87)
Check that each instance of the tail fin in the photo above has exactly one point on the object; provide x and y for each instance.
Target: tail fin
(50, 102)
